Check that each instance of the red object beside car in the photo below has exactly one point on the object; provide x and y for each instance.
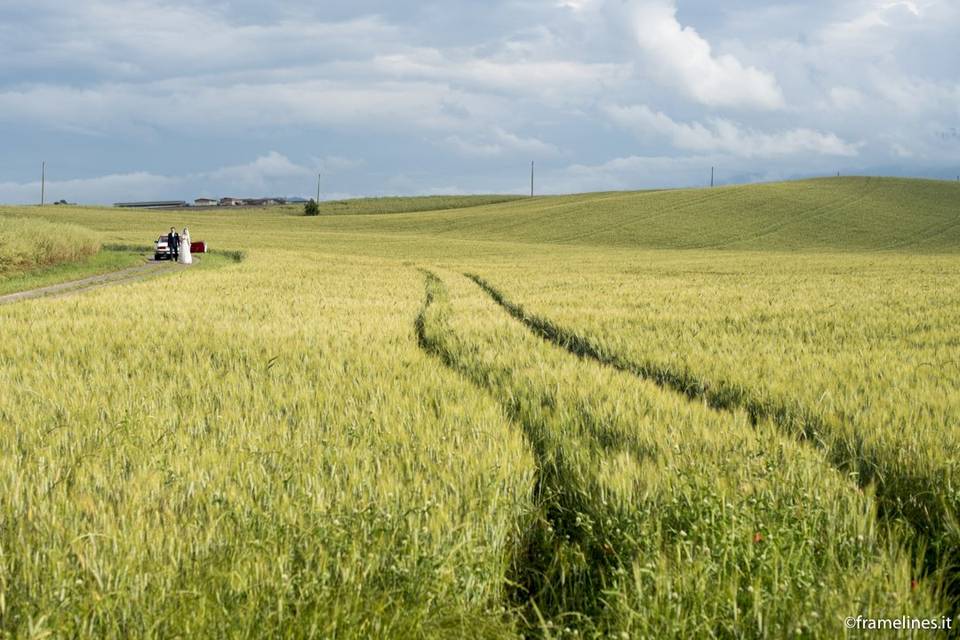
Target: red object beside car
(198, 247)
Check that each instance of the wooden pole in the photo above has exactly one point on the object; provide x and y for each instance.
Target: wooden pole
(318, 187)
(711, 177)
(43, 182)
(531, 178)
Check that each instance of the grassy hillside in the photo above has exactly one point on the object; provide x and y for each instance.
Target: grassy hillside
(367, 206)
(835, 214)
(866, 214)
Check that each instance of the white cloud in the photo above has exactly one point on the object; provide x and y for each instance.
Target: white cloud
(720, 135)
(877, 18)
(259, 174)
(846, 98)
(776, 83)
(633, 172)
(901, 151)
(335, 164)
(99, 190)
(680, 56)
(193, 105)
(576, 5)
(137, 39)
(473, 147)
(546, 79)
(499, 142)
(666, 171)
(270, 175)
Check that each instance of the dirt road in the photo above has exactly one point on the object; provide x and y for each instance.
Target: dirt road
(123, 276)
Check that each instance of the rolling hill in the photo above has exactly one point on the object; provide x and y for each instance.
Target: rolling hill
(858, 214)
(823, 215)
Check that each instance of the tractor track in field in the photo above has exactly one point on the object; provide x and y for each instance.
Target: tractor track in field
(554, 501)
(522, 582)
(75, 287)
(930, 521)
(556, 505)
(717, 397)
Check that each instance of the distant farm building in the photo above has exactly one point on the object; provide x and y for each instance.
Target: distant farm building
(159, 204)
(204, 202)
(230, 202)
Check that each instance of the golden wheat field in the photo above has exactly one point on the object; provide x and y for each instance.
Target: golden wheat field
(725, 413)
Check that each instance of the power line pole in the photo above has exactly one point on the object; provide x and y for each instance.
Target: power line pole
(43, 182)
(531, 178)
(711, 177)
(319, 175)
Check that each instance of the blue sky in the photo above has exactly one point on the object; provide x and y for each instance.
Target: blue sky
(146, 99)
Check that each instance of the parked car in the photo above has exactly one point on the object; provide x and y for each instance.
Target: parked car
(161, 250)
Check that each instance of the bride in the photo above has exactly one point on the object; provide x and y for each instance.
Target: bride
(185, 257)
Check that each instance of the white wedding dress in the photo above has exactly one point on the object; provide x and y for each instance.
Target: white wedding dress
(185, 257)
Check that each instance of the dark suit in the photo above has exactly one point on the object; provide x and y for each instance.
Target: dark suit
(173, 243)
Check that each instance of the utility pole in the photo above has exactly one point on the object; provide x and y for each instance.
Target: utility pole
(711, 177)
(43, 181)
(319, 175)
(531, 178)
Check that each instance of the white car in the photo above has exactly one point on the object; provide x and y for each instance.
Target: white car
(161, 250)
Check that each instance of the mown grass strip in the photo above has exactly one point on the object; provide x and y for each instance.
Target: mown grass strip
(914, 497)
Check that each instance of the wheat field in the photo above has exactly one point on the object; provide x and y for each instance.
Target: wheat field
(701, 413)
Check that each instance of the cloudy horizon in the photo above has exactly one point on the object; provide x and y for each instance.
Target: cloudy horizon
(182, 99)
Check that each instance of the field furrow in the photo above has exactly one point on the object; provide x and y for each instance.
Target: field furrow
(910, 487)
(660, 517)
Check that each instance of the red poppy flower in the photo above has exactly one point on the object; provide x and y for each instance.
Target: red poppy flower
(757, 538)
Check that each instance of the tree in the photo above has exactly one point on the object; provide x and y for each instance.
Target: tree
(311, 208)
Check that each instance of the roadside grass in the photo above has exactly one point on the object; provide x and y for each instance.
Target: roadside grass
(105, 261)
(28, 243)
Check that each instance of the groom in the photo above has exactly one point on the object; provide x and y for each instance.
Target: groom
(173, 243)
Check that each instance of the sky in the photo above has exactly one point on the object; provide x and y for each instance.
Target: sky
(180, 99)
